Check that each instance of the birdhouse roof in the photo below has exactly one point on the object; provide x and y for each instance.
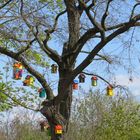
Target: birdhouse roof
(75, 81)
(81, 75)
(109, 87)
(39, 90)
(94, 78)
(53, 65)
(58, 127)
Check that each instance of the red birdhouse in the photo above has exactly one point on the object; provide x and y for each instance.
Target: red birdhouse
(94, 81)
(75, 84)
(81, 78)
(58, 129)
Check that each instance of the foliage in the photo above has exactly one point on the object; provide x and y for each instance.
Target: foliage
(96, 117)
(99, 117)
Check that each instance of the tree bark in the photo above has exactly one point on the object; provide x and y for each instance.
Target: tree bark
(57, 111)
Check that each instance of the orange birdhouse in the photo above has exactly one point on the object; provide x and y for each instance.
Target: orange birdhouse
(94, 81)
(75, 84)
(81, 78)
(17, 70)
(54, 68)
(29, 80)
(110, 90)
(58, 129)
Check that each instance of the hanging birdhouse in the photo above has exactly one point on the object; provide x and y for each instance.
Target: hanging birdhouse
(75, 84)
(81, 78)
(42, 93)
(110, 90)
(58, 129)
(54, 68)
(17, 70)
(29, 80)
(94, 81)
(44, 125)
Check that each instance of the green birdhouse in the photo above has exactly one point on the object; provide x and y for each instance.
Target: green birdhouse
(94, 81)
(54, 68)
(81, 78)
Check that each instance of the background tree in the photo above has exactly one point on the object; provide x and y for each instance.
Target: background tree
(96, 116)
(28, 27)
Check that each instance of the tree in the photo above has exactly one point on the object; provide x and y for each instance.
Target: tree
(27, 24)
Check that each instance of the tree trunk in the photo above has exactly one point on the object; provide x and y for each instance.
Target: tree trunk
(57, 111)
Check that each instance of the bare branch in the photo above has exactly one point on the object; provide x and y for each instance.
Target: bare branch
(92, 20)
(1, 7)
(91, 74)
(102, 57)
(120, 25)
(100, 45)
(134, 10)
(55, 23)
(50, 52)
(25, 48)
(105, 15)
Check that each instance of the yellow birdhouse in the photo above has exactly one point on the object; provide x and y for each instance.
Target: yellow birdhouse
(58, 129)
(29, 80)
(110, 90)
(94, 81)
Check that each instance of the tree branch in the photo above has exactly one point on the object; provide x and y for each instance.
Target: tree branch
(134, 10)
(100, 45)
(91, 74)
(92, 20)
(26, 48)
(55, 23)
(80, 43)
(105, 15)
(102, 57)
(17, 102)
(1, 7)
(50, 52)
(30, 69)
